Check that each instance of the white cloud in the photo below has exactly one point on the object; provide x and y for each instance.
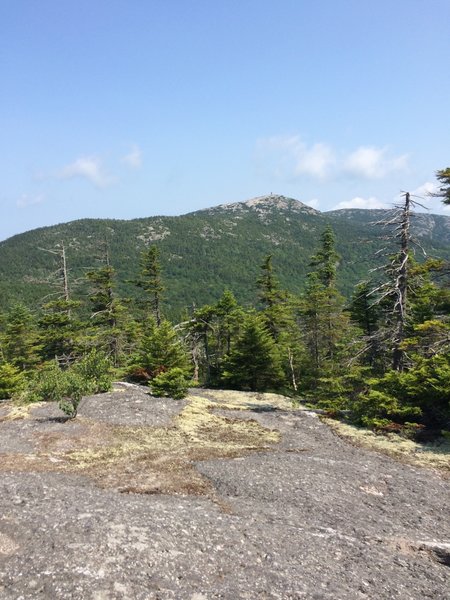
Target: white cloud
(290, 157)
(87, 167)
(424, 190)
(359, 202)
(134, 158)
(315, 161)
(314, 203)
(370, 162)
(422, 196)
(25, 200)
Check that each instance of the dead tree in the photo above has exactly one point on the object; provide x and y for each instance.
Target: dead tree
(60, 278)
(397, 275)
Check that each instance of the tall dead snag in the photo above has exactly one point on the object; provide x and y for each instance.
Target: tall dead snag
(397, 272)
(401, 284)
(59, 278)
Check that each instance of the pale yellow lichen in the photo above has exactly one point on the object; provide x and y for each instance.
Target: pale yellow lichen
(17, 412)
(435, 455)
(196, 427)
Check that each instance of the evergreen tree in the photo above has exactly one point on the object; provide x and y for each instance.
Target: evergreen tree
(58, 330)
(363, 310)
(366, 314)
(325, 326)
(273, 299)
(150, 282)
(326, 259)
(12, 380)
(109, 319)
(57, 327)
(254, 363)
(443, 176)
(162, 350)
(19, 341)
(200, 334)
(229, 317)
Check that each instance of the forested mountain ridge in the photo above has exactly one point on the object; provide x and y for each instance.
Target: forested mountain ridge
(433, 228)
(205, 251)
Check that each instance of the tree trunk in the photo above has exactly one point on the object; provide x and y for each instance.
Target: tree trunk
(401, 287)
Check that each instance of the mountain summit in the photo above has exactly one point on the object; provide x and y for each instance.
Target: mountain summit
(265, 204)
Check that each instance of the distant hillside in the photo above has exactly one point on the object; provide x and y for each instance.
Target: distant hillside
(206, 251)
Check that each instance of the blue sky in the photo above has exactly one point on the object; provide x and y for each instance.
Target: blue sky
(123, 109)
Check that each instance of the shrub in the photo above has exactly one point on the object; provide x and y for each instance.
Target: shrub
(90, 375)
(376, 408)
(173, 383)
(95, 369)
(74, 389)
(46, 385)
(414, 398)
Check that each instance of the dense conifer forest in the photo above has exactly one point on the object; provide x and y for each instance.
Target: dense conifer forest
(379, 357)
(205, 252)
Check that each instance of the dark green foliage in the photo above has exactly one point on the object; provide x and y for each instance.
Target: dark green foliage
(363, 309)
(58, 330)
(109, 320)
(172, 383)
(12, 380)
(443, 176)
(275, 301)
(149, 282)
(340, 392)
(268, 285)
(427, 385)
(254, 363)
(210, 333)
(326, 258)
(47, 384)
(301, 341)
(366, 314)
(203, 252)
(325, 325)
(96, 370)
(419, 395)
(229, 317)
(74, 388)
(161, 349)
(19, 340)
(51, 383)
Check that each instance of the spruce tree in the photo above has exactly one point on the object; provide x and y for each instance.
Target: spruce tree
(58, 330)
(443, 176)
(19, 341)
(150, 282)
(229, 317)
(366, 314)
(324, 323)
(254, 363)
(273, 299)
(108, 319)
(161, 349)
(326, 259)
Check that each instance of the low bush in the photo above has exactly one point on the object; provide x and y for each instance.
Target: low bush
(173, 383)
(95, 369)
(91, 374)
